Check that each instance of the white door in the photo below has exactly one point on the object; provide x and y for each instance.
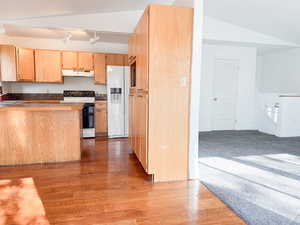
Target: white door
(225, 92)
(115, 101)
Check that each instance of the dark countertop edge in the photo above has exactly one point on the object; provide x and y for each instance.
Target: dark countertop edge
(41, 107)
(289, 96)
(39, 96)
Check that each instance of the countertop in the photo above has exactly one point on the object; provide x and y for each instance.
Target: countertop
(39, 106)
(42, 97)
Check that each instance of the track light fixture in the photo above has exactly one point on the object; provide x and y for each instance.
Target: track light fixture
(94, 39)
(67, 38)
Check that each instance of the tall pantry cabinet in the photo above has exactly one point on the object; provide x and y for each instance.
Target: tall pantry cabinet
(161, 48)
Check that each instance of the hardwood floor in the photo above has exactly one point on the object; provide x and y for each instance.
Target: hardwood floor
(110, 187)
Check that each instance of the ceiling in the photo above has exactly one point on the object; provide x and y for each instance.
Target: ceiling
(277, 18)
(16, 9)
(54, 33)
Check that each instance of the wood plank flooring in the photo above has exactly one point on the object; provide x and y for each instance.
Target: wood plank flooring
(109, 187)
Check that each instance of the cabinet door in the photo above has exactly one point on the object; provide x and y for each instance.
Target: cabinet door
(142, 48)
(25, 64)
(115, 59)
(101, 117)
(132, 122)
(137, 127)
(8, 67)
(48, 66)
(143, 130)
(85, 61)
(69, 60)
(100, 68)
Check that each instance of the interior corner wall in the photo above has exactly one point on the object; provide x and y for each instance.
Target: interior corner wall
(280, 72)
(277, 73)
(246, 104)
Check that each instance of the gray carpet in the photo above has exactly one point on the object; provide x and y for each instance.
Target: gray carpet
(257, 175)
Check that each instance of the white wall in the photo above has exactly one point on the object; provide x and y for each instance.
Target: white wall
(246, 105)
(280, 72)
(277, 73)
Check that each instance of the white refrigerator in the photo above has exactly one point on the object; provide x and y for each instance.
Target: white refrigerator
(117, 100)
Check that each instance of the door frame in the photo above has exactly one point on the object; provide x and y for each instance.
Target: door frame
(195, 88)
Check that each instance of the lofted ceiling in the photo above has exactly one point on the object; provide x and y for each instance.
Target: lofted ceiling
(16, 9)
(277, 18)
(55, 33)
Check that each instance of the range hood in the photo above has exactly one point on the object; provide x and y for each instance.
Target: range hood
(78, 73)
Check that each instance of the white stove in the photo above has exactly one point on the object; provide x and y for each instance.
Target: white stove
(88, 112)
(79, 99)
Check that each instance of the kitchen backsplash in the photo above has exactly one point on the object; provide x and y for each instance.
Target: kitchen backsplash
(70, 83)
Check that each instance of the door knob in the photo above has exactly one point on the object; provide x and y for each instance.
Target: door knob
(215, 99)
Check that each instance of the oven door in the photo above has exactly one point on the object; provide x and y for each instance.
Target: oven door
(88, 115)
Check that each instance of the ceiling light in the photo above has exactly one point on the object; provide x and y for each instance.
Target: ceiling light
(94, 39)
(67, 38)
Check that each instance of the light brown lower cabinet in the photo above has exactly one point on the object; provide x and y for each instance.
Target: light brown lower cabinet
(101, 118)
(138, 129)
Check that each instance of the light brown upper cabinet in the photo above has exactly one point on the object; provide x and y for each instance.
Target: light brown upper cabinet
(25, 64)
(85, 61)
(69, 60)
(116, 59)
(8, 69)
(72, 60)
(100, 68)
(48, 66)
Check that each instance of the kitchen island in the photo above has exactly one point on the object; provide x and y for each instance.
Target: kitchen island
(39, 133)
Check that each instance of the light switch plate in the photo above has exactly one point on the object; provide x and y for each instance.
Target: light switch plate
(183, 81)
